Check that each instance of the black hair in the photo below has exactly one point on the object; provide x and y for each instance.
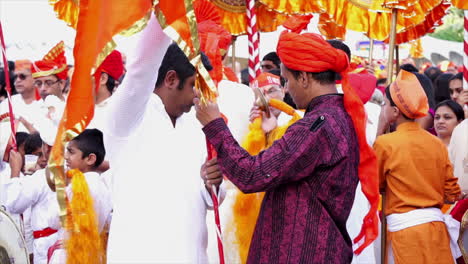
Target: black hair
(110, 84)
(33, 143)
(441, 87)
(91, 141)
(409, 67)
(273, 57)
(21, 138)
(175, 60)
(381, 81)
(326, 77)
(458, 76)
(392, 103)
(432, 73)
(428, 88)
(338, 44)
(245, 76)
(455, 107)
(287, 97)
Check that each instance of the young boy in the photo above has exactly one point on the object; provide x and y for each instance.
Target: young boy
(86, 153)
(416, 174)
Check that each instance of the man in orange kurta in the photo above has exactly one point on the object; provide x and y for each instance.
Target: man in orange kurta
(417, 177)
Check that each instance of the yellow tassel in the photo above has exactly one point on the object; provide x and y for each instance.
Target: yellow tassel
(83, 245)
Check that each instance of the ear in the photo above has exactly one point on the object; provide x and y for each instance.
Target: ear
(103, 79)
(303, 79)
(91, 160)
(171, 80)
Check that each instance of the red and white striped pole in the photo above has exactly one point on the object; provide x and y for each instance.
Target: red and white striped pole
(465, 51)
(254, 40)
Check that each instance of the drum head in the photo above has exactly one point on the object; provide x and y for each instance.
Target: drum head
(12, 244)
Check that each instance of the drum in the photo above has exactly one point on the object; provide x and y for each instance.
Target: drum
(12, 244)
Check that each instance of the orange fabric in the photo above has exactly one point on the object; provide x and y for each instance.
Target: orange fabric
(97, 24)
(54, 62)
(22, 64)
(462, 4)
(176, 17)
(309, 52)
(229, 74)
(409, 96)
(205, 10)
(266, 78)
(414, 170)
(421, 244)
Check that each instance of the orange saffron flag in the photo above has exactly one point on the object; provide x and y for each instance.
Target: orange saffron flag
(98, 21)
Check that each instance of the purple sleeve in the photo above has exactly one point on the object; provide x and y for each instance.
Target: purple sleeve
(291, 158)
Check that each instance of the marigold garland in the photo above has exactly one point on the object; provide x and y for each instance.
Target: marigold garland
(247, 206)
(83, 243)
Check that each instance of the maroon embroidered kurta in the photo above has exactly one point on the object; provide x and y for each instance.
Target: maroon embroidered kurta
(309, 176)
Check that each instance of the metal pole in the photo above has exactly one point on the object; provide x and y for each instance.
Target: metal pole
(392, 46)
(233, 55)
(371, 51)
(397, 53)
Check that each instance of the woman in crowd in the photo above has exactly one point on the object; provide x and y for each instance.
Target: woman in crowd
(448, 114)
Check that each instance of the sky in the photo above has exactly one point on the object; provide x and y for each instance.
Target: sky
(31, 29)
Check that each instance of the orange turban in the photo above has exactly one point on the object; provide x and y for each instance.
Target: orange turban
(22, 64)
(409, 96)
(309, 52)
(54, 62)
(266, 78)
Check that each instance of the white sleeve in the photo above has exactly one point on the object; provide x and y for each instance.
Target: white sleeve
(207, 195)
(23, 192)
(28, 231)
(129, 102)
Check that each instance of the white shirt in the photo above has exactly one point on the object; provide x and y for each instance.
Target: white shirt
(458, 153)
(159, 198)
(100, 115)
(33, 191)
(20, 109)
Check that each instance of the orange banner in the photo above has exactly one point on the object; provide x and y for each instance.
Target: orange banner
(98, 21)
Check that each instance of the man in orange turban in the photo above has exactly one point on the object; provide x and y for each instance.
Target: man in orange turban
(416, 174)
(311, 173)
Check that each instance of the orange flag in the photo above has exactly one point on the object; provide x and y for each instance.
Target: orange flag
(98, 21)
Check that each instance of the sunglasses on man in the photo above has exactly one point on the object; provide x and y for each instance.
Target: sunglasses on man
(21, 76)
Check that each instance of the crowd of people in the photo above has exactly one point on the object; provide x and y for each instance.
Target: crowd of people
(299, 178)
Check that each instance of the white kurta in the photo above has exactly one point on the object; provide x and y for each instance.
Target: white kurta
(33, 191)
(27, 111)
(159, 198)
(458, 152)
(102, 207)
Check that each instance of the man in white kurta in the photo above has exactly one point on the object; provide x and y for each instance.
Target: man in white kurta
(159, 199)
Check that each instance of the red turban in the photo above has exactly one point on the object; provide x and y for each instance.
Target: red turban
(309, 52)
(53, 63)
(112, 65)
(364, 84)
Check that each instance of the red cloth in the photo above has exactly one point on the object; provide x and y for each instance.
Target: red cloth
(54, 62)
(459, 210)
(309, 52)
(44, 232)
(51, 250)
(112, 65)
(364, 84)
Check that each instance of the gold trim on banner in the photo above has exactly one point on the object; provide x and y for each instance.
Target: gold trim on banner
(137, 26)
(192, 21)
(108, 48)
(230, 7)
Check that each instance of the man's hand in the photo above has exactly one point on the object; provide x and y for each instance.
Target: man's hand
(16, 163)
(211, 174)
(206, 112)
(268, 124)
